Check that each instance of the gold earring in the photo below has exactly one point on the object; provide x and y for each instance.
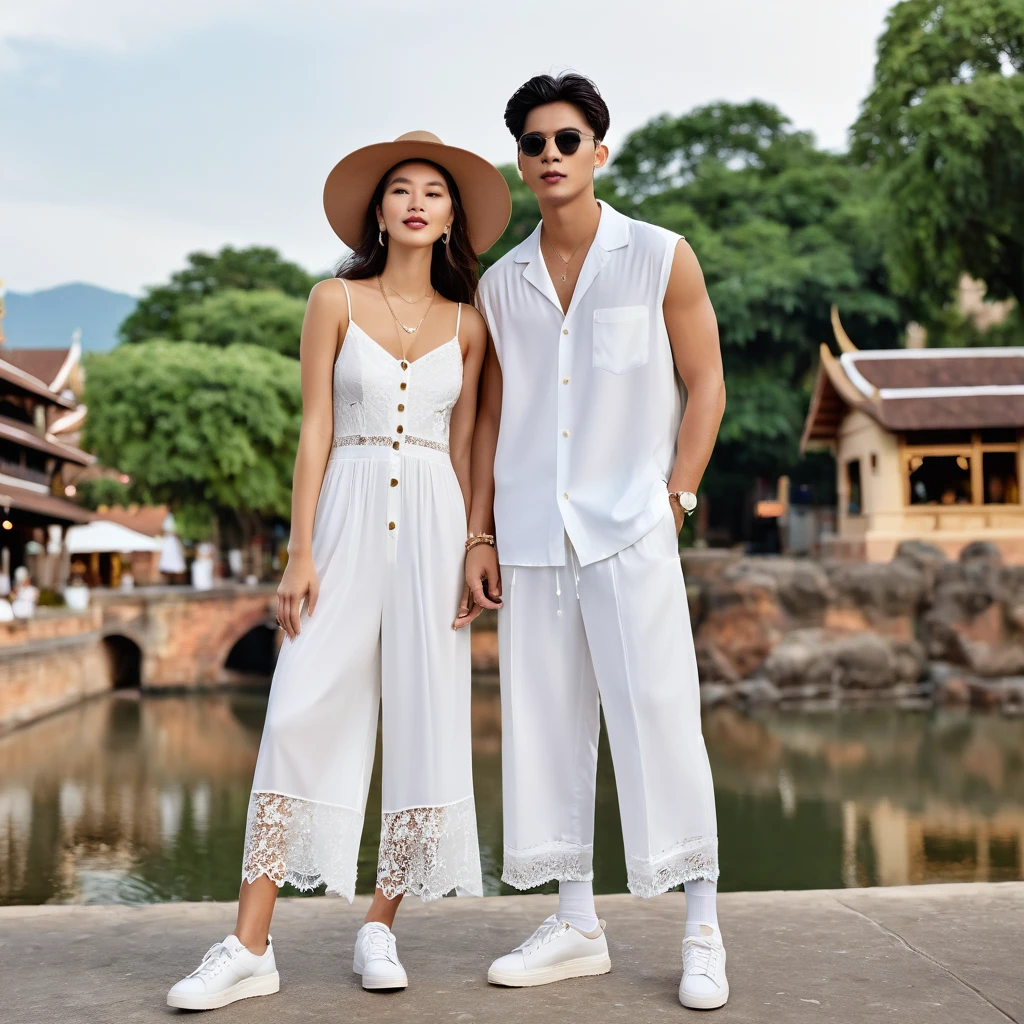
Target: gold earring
(447, 234)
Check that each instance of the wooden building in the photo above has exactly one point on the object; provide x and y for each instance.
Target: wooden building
(927, 444)
(36, 458)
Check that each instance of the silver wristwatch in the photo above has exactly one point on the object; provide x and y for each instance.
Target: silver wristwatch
(687, 500)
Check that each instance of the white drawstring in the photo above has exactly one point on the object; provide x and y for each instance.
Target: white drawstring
(571, 554)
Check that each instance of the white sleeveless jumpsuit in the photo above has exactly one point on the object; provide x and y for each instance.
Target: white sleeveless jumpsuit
(388, 547)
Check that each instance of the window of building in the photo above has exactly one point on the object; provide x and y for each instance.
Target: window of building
(999, 472)
(940, 480)
(853, 506)
(962, 468)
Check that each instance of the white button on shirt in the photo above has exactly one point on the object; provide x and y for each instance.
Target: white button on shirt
(609, 441)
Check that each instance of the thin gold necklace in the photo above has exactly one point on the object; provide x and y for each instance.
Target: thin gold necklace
(395, 291)
(408, 330)
(561, 257)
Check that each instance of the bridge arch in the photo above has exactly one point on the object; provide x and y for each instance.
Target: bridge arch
(248, 648)
(124, 661)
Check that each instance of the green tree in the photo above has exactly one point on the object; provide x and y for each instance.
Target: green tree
(102, 490)
(783, 230)
(264, 317)
(944, 122)
(525, 215)
(158, 312)
(201, 429)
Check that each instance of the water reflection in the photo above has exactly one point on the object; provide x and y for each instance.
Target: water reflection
(127, 799)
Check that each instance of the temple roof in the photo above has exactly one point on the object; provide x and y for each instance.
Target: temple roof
(915, 389)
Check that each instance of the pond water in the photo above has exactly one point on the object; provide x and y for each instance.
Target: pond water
(130, 798)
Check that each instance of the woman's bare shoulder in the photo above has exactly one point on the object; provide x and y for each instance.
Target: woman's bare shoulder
(329, 294)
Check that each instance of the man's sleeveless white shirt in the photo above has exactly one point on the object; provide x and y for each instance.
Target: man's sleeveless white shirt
(591, 402)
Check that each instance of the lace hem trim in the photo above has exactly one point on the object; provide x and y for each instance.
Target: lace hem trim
(690, 860)
(430, 851)
(563, 862)
(303, 842)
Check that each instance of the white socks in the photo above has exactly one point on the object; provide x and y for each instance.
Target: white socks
(576, 905)
(700, 905)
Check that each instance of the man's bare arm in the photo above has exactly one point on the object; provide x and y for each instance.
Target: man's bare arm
(693, 333)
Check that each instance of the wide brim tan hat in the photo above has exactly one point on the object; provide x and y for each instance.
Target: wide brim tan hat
(350, 186)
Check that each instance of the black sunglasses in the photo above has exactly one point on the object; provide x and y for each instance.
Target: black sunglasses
(567, 140)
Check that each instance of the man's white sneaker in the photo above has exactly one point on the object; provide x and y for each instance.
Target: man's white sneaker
(555, 951)
(228, 972)
(704, 985)
(376, 958)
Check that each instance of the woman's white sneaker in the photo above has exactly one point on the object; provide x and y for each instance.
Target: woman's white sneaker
(376, 958)
(555, 951)
(228, 972)
(704, 985)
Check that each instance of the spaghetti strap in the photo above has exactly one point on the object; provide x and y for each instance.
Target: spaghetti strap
(348, 297)
(458, 320)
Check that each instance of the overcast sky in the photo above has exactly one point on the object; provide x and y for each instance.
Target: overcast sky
(133, 133)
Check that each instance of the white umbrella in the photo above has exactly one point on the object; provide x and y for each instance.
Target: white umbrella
(104, 535)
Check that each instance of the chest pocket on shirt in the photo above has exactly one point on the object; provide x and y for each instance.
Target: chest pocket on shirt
(621, 338)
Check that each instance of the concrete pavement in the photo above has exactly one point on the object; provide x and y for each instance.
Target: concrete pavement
(935, 954)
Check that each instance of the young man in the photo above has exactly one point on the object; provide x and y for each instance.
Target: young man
(584, 465)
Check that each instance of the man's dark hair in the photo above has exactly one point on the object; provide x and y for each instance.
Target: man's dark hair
(566, 88)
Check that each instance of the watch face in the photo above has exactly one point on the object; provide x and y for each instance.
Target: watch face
(688, 500)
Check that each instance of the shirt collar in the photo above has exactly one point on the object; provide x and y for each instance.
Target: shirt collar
(612, 233)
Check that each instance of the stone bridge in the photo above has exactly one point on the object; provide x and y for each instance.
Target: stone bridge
(188, 637)
(151, 637)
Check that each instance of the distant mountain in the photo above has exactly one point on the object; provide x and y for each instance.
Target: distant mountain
(46, 319)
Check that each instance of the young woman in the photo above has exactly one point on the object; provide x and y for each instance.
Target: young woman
(391, 354)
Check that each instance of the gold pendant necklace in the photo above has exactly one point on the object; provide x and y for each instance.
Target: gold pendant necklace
(408, 330)
(562, 258)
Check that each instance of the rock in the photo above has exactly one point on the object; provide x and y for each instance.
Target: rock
(484, 649)
(851, 661)
(705, 564)
(1013, 689)
(980, 550)
(954, 690)
(921, 553)
(993, 660)
(712, 665)
(757, 691)
(801, 586)
(926, 558)
(713, 694)
(1015, 615)
(888, 595)
(911, 663)
(695, 603)
(866, 661)
(913, 704)
(985, 695)
(743, 620)
(789, 664)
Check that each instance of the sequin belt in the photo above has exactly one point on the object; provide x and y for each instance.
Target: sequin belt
(387, 442)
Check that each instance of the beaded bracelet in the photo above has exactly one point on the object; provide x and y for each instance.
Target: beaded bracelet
(479, 538)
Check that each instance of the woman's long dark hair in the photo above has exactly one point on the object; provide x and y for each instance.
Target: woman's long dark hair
(454, 268)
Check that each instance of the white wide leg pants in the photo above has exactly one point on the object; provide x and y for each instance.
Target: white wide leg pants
(388, 547)
(618, 632)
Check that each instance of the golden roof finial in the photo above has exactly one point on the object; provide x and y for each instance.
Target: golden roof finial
(842, 338)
